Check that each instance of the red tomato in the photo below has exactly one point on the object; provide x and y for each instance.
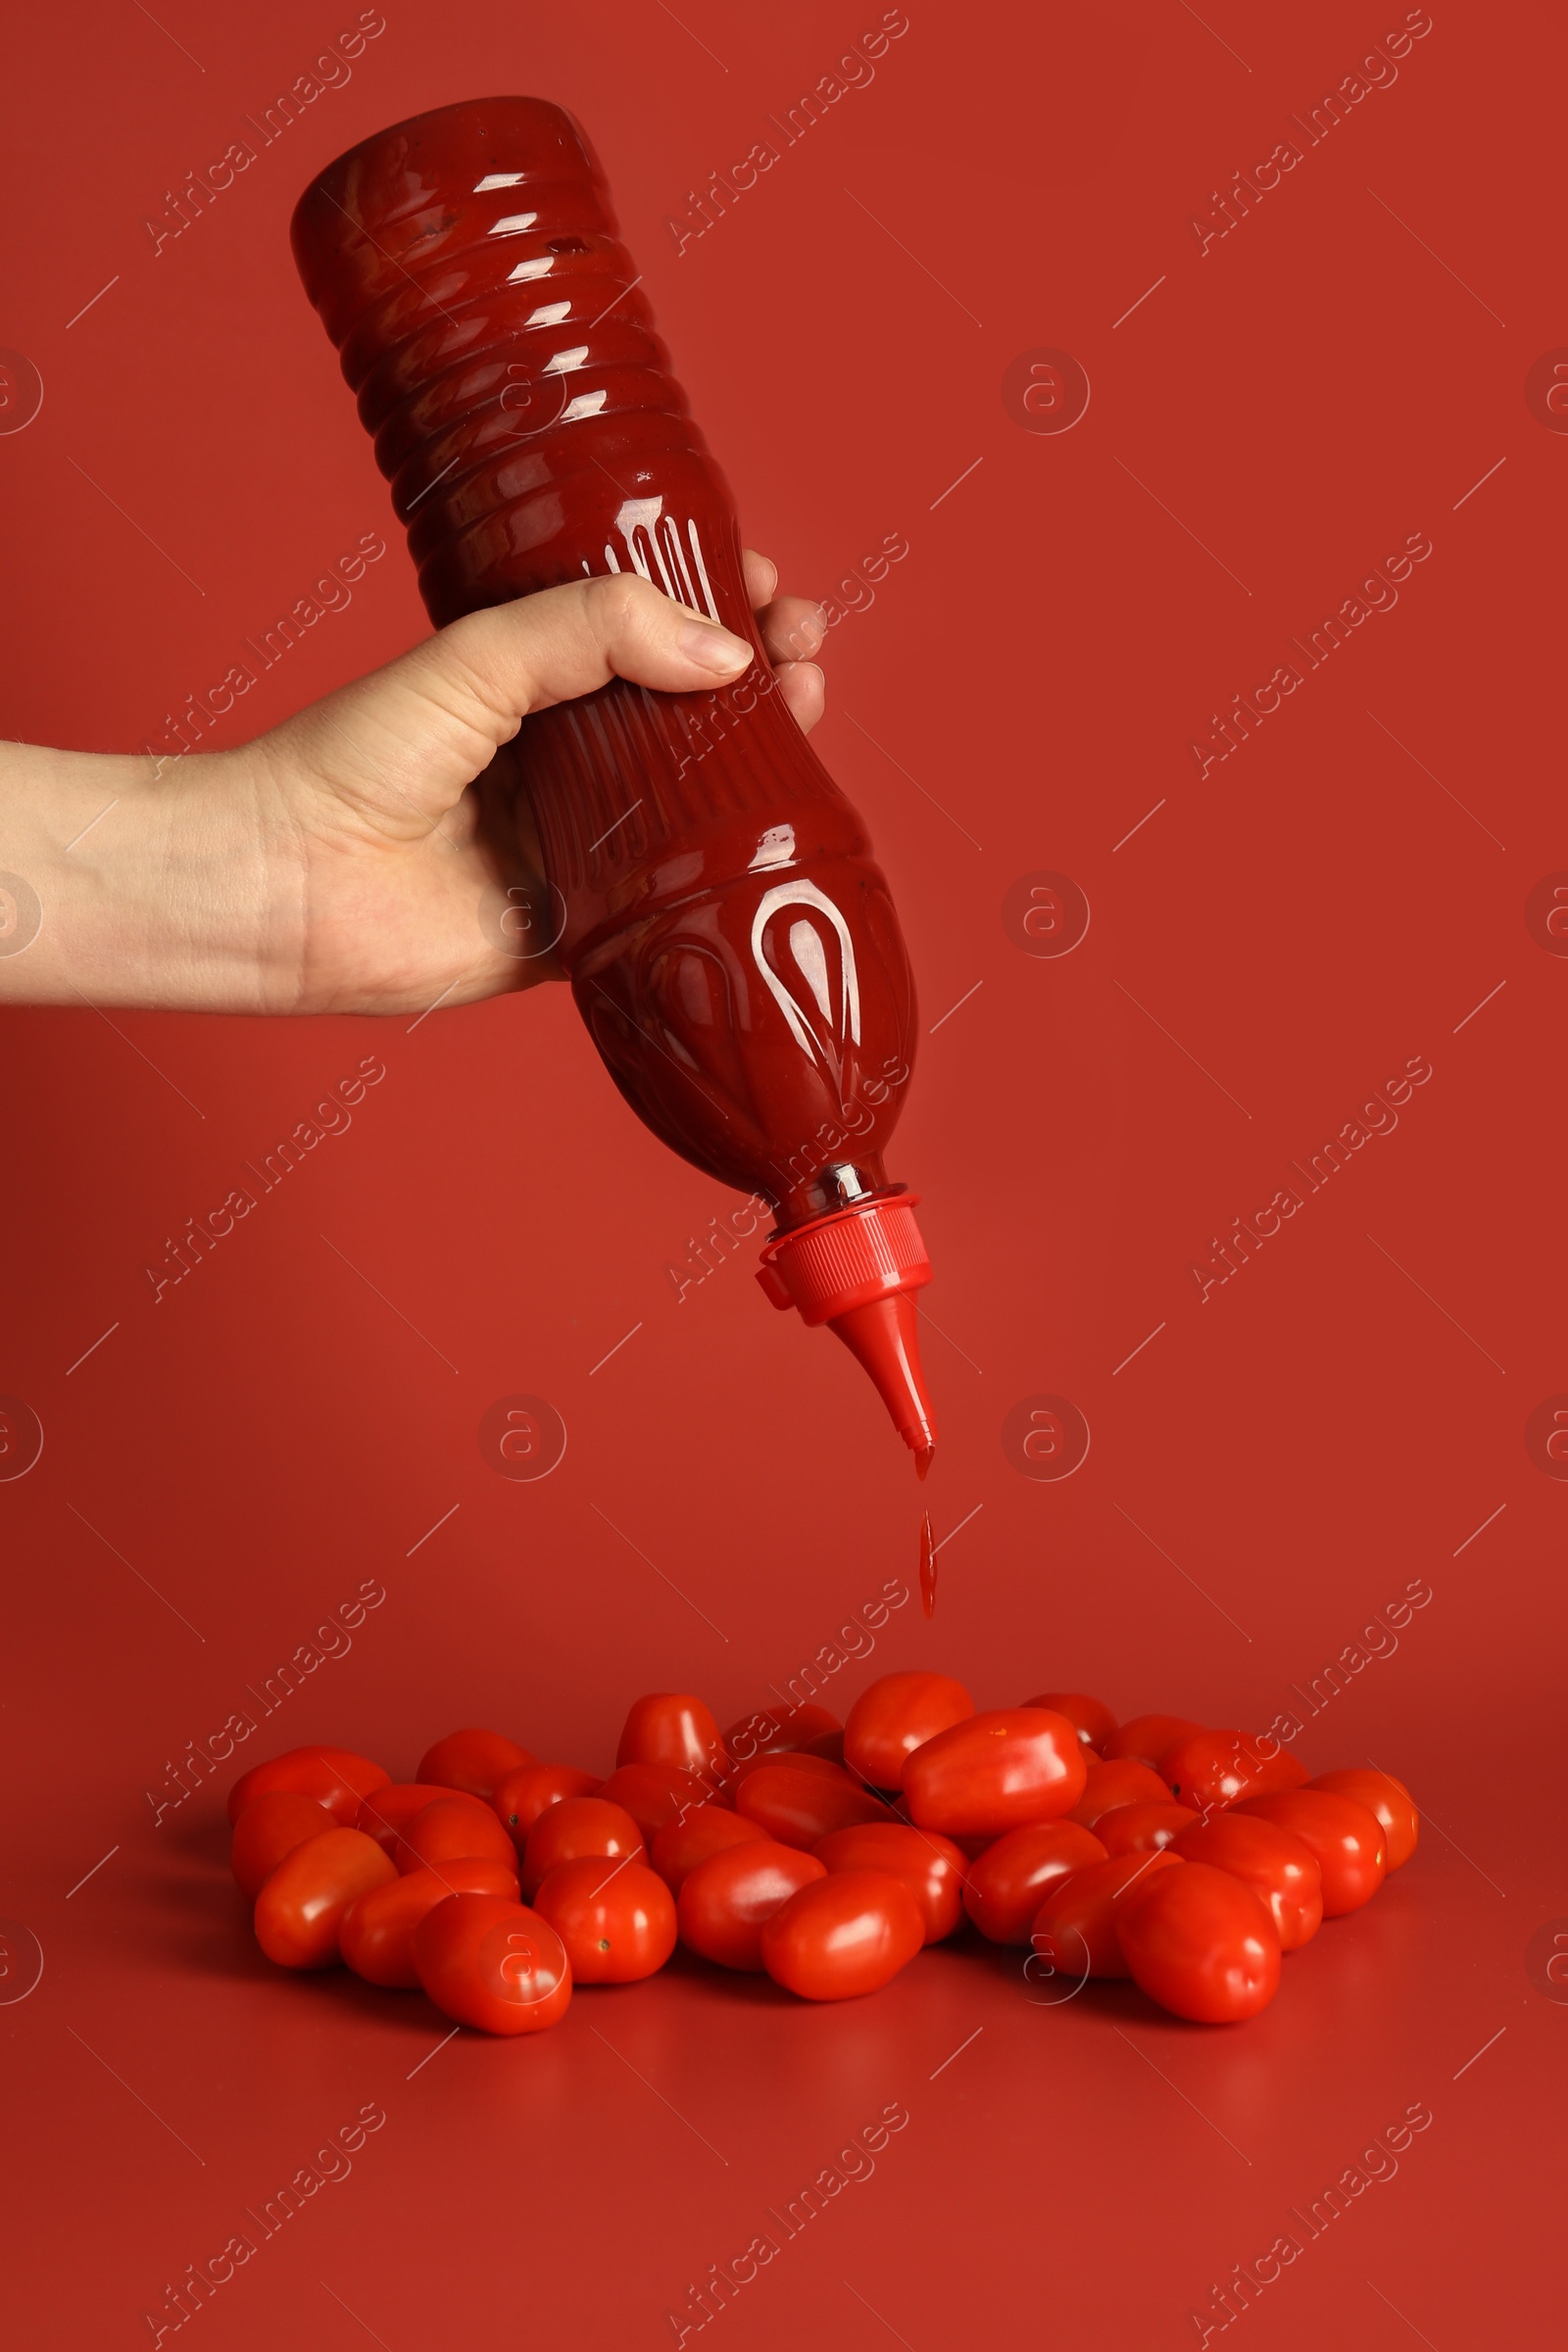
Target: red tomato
(726, 1902)
(657, 1794)
(454, 1829)
(994, 1772)
(579, 1825)
(799, 1759)
(805, 1730)
(490, 1963)
(473, 1761)
(520, 1796)
(931, 1867)
(680, 1845)
(1381, 1795)
(847, 1934)
(334, 1776)
(615, 1919)
(377, 1938)
(1007, 1882)
(1200, 1944)
(1216, 1768)
(386, 1812)
(1075, 1927)
(1281, 1871)
(1143, 1829)
(272, 1827)
(301, 1907)
(670, 1726)
(1345, 1838)
(893, 1716)
(798, 1806)
(1147, 1736)
(1092, 1719)
(1125, 1781)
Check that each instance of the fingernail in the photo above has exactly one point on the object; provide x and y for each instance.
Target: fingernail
(714, 647)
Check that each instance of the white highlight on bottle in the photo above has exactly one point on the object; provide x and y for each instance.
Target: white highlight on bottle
(811, 960)
(562, 363)
(549, 314)
(512, 225)
(776, 846)
(540, 267)
(497, 180)
(586, 404)
(654, 541)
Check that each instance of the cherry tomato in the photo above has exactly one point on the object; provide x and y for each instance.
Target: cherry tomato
(272, 1827)
(849, 1932)
(1092, 1719)
(454, 1829)
(615, 1919)
(377, 1938)
(994, 1772)
(579, 1825)
(1143, 1829)
(1075, 1928)
(805, 1730)
(1216, 1768)
(893, 1716)
(799, 1759)
(680, 1845)
(1146, 1738)
(473, 1761)
(798, 1806)
(386, 1812)
(1123, 1781)
(726, 1902)
(931, 1867)
(1281, 1871)
(334, 1776)
(520, 1796)
(657, 1794)
(1009, 1881)
(1345, 1838)
(301, 1907)
(1381, 1795)
(494, 1964)
(670, 1726)
(1200, 1944)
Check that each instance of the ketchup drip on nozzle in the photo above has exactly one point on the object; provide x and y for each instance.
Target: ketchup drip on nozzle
(710, 891)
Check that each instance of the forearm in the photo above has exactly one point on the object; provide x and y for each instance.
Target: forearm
(142, 882)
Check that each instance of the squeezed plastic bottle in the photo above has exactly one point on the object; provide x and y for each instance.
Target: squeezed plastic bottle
(730, 943)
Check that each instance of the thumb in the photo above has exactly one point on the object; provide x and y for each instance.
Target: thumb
(399, 748)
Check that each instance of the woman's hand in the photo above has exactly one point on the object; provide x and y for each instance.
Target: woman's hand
(337, 864)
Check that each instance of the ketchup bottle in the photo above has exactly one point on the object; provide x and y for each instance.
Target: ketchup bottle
(730, 943)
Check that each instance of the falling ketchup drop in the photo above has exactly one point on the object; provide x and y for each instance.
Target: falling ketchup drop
(928, 1566)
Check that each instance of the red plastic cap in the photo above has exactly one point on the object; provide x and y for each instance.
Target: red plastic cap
(857, 1270)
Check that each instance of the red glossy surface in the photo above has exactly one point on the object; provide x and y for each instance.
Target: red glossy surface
(996, 1772)
(1009, 1881)
(335, 1777)
(472, 1760)
(1146, 1737)
(725, 1903)
(730, 943)
(1200, 1944)
(520, 1796)
(386, 1812)
(615, 1919)
(268, 1830)
(1123, 1781)
(681, 1844)
(657, 1794)
(1219, 1768)
(798, 1806)
(1074, 1933)
(1140, 1829)
(1281, 1871)
(302, 1902)
(1301, 1442)
(492, 1964)
(578, 1825)
(375, 1937)
(1344, 1837)
(932, 1868)
(893, 1716)
(1094, 1719)
(1386, 1798)
(805, 1729)
(671, 1727)
(844, 1936)
(454, 1829)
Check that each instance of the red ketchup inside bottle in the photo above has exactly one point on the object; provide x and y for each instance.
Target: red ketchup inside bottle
(730, 942)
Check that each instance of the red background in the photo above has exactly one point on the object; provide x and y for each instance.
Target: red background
(1277, 415)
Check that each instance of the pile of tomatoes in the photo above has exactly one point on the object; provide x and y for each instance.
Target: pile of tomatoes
(826, 1854)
